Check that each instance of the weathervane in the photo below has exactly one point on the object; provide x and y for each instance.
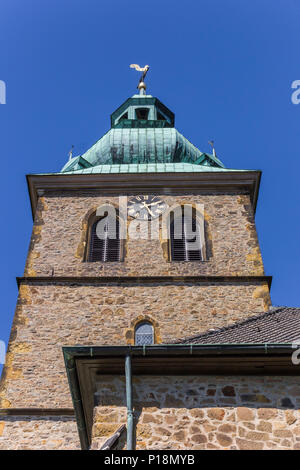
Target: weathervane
(142, 85)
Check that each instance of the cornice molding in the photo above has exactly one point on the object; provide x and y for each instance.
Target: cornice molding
(141, 279)
(37, 412)
(155, 183)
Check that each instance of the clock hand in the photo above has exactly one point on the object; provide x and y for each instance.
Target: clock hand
(153, 203)
(150, 212)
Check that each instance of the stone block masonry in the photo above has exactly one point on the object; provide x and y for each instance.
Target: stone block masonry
(38, 433)
(60, 233)
(87, 309)
(203, 412)
(49, 316)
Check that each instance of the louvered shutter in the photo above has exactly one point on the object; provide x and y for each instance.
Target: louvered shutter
(180, 249)
(107, 248)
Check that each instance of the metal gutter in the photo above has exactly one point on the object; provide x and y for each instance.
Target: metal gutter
(76, 398)
(179, 349)
(71, 353)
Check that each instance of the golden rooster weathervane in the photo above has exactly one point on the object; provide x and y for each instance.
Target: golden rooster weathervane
(142, 85)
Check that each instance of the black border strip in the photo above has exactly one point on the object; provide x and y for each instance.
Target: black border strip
(37, 412)
(141, 279)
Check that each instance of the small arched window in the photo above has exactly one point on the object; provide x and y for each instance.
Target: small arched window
(185, 240)
(144, 334)
(104, 242)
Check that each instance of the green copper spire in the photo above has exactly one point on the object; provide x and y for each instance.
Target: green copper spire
(142, 132)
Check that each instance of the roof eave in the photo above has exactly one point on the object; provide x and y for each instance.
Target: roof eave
(169, 183)
(78, 357)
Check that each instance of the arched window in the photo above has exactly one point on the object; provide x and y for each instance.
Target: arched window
(185, 240)
(104, 242)
(144, 334)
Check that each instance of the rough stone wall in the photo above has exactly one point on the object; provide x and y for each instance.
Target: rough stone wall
(50, 316)
(60, 232)
(38, 433)
(108, 419)
(203, 412)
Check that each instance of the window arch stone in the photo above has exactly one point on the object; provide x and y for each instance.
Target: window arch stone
(130, 332)
(88, 221)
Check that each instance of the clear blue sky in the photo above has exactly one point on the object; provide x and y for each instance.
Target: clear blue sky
(224, 67)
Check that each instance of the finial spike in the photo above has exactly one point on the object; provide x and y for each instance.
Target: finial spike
(71, 153)
(212, 143)
(142, 87)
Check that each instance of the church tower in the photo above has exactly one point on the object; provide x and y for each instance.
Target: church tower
(139, 283)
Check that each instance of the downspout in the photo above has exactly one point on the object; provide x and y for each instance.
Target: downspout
(128, 376)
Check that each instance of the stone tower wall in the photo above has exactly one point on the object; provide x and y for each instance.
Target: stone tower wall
(54, 312)
(51, 316)
(60, 232)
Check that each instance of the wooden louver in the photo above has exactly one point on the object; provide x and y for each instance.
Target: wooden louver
(107, 248)
(180, 251)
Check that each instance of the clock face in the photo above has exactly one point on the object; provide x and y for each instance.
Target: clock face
(146, 207)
